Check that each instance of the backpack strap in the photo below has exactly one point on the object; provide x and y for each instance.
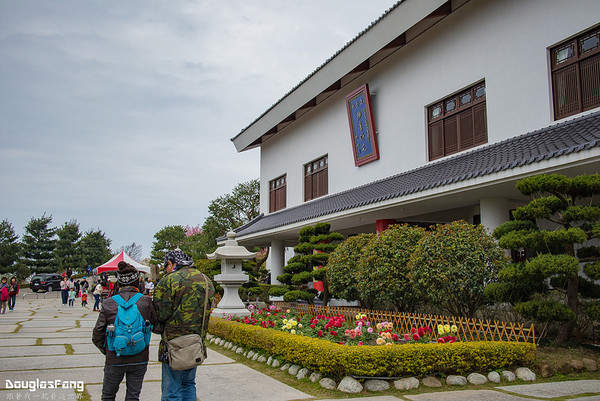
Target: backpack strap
(121, 302)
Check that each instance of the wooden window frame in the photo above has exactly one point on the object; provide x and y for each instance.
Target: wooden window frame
(277, 193)
(457, 122)
(575, 75)
(316, 181)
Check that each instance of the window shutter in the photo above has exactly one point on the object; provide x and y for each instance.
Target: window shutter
(307, 188)
(436, 140)
(272, 201)
(479, 124)
(450, 135)
(282, 197)
(566, 93)
(590, 82)
(466, 129)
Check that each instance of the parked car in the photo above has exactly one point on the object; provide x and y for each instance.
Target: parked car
(45, 282)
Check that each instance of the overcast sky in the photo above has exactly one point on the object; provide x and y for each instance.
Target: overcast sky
(119, 114)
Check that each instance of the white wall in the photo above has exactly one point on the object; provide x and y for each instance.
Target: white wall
(504, 42)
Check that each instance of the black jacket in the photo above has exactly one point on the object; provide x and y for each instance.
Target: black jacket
(107, 316)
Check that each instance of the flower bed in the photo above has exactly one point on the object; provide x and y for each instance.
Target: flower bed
(324, 353)
(337, 329)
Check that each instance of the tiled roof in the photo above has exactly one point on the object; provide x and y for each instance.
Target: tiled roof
(557, 140)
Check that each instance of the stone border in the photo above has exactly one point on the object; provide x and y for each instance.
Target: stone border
(351, 385)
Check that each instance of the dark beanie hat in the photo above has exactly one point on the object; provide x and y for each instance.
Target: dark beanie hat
(127, 274)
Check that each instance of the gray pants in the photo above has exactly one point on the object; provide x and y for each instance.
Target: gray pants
(113, 376)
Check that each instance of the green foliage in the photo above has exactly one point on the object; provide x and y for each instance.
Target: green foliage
(312, 253)
(336, 361)
(545, 311)
(384, 274)
(95, 248)
(592, 270)
(278, 291)
(38, 245)
(593, 311)
(343, 266)
(453, 264)
(560, 215)
(231, 211)
(9, 248)
(295, 295)
(67, 251)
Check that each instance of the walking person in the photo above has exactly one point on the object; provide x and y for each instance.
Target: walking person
(96, 293)
(124, 362)
(13, 291)
(179, 299)
(84, 298)
(3, 295)
(64, 290)
(72, 296)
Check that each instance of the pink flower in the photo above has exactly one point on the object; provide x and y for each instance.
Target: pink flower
(370, 330)
(360, 343)
(407, 337)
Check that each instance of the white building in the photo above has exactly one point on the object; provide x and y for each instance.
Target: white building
(467, 97)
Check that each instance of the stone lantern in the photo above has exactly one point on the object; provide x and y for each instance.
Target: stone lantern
(232, 277)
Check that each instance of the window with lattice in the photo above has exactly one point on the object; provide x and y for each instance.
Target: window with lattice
(457, 122)
(315, 178)
(575, 67)
(277, 193)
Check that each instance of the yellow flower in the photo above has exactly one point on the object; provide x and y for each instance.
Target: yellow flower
(300, 326)
(293, 331)
(380, 341)
(440, 329)
(294, 323)
(284, 321)
(287, 311)
(378, 326)
(447, 328)
(288, 326)
(454, 328)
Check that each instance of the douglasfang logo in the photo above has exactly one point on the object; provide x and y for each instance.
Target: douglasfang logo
(33, 385)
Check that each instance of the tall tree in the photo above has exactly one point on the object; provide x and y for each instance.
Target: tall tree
(167, 239)
(95, 248)
(558, 229)
(134, 250)
(38, 245)
(9, 248)
(67, 251)
(232, 210)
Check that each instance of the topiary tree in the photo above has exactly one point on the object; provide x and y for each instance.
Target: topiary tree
(315, 245)
(453, 263)
(343, 270)
(556, 228)
(384, 275)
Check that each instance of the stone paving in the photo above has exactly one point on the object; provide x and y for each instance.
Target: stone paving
(43, 343)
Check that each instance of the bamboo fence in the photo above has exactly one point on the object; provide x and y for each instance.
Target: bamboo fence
(468, 329)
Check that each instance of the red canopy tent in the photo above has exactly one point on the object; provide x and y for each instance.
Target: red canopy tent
(111, 265)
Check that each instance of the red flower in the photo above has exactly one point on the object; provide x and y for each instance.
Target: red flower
(395, 337)
(360, 343)
(312, 326)
(415, 337)
(333, 333)
(421, 331)
(441, 340)
(413, 330)
(320, 333)
(407, 337)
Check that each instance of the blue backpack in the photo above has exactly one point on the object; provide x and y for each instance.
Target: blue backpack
(130, 333)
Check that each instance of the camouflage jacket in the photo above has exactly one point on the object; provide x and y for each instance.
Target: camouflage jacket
(179, 302)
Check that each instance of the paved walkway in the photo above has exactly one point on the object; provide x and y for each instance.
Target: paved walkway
(43, 343)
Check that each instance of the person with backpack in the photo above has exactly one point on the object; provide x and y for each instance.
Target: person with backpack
(3, 295)
(122, 333)
(182, 300)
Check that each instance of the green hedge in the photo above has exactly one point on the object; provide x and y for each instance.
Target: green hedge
(335, 360)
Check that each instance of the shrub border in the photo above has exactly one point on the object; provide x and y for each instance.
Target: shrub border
(335, 360)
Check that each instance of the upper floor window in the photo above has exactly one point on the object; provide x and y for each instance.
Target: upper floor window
(315, 179)
(576, 74)
(457, 122)
(277, 194)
